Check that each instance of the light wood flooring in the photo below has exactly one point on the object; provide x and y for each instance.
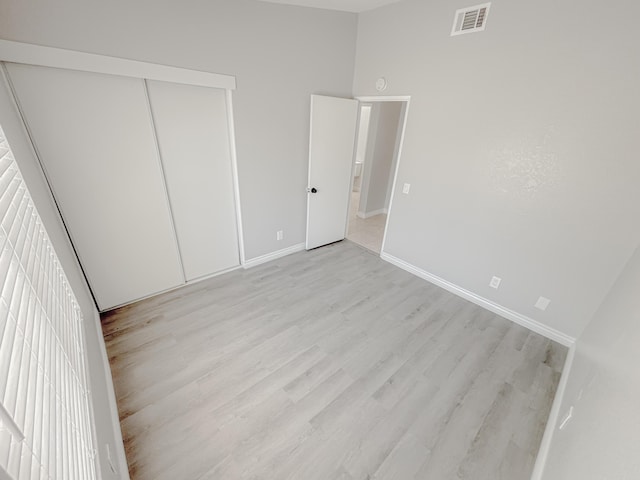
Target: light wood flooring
(367, 232)
(329, 364)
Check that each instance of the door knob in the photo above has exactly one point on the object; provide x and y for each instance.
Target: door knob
(313, 190)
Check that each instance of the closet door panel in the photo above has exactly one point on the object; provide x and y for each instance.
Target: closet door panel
(193, 137)
(94, 136)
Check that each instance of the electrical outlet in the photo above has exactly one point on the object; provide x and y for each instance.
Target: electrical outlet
(279, 235)
(542, 303)
(406, 188)
(495, 282)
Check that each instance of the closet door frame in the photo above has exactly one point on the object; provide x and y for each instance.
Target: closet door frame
(28, 54)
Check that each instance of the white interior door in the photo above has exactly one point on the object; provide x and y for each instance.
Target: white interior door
(95, 139)
(331, 144)
(193, 137)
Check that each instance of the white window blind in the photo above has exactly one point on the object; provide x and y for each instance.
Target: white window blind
(45, 411)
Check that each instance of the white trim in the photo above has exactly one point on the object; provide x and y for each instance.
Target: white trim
(373, 213)
(254, 262)
(306, 232)
(234, 173)
(121, 456)
(396, 98)
(29, 54)
(545, 445)
(175, 287)
(206, 276)
(516, 317)
(369, 100)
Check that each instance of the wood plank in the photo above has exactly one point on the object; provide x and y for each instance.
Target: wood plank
(327, 364)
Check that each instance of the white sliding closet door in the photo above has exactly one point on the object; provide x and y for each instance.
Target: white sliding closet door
(193, 137)
(95, 139)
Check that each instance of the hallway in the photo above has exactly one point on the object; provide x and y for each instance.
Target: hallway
(365, 232)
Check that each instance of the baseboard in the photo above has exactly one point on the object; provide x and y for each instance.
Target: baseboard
(552, 421)
(176, 287)
(120, 456)
(516, 317)
(254, 262)
(372, 214)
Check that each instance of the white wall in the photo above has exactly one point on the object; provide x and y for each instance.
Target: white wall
(363, 132)
(280, 55)
(396, 151)
(520, 147)
(380, 156)
(602, 441)
(108, 430)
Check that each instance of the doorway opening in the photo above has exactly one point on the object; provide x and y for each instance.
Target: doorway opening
(379, 138)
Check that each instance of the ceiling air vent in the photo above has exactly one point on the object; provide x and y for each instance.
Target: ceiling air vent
(470, 19)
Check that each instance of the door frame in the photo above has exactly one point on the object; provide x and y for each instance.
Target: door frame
(379, 99)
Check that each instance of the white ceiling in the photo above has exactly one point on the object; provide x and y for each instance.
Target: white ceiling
(344, 5)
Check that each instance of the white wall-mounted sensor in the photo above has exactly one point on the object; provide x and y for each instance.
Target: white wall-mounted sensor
(381, 84)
